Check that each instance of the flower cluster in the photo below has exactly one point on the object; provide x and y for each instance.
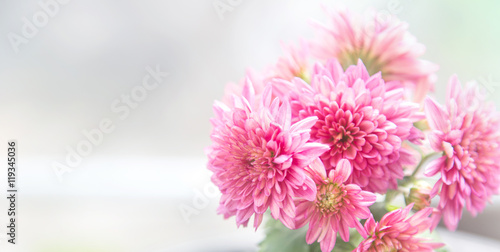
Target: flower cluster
(339, 119)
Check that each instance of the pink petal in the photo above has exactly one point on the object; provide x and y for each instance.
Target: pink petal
(310, 151)
(328, 243)
(304, 124)
(343, 170)
(435, 166)
(307, 191)
(317, 167)
(454, 88)
(436, 116)
(282, 158)
(249, 92)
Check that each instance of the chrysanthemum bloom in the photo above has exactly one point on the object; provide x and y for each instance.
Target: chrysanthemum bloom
(337, 207)
(396, 232)
(293, 64)
(467, 131)
(359, 118)
(383, 44)
(258, 158)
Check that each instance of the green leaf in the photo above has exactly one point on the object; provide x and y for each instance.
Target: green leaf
(280, 238)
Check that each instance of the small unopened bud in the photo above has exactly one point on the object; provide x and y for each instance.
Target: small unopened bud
(420, 196)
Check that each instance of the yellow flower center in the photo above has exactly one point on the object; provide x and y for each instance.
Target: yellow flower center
(371, 62)
(329, 198)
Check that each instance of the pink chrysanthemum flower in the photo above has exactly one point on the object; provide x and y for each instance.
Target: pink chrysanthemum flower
(383, 45)
(360, 117)
(467, 131)
(396, 232)
(337, 207)
(258, 158)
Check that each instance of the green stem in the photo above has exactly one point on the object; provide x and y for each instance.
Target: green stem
(390, 195)
(423, 161)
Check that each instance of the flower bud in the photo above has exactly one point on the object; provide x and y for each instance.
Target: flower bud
(419, 195)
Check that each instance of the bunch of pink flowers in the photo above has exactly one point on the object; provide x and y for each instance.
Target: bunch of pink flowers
(341, 123)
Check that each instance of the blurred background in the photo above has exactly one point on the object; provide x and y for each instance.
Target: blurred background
(74, 69)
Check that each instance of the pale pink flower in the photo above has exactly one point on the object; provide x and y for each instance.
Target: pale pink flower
(337, 206)
(360, 117)
(467, 131)
(258, 158)
(293, 64)
(383, 43)
(396, 232)
(258, 82)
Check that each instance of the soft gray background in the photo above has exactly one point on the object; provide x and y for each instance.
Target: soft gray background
(125, 195)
